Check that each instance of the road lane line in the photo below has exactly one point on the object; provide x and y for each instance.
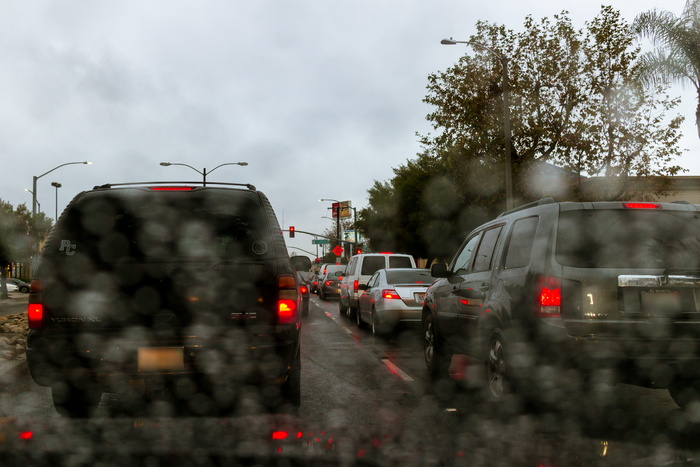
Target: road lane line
(396, 370)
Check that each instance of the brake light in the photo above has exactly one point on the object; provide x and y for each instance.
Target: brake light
(548, 298)
(390, 294)
(287, 299)
(340, 278)
(355, 286)
(35, 315)
(304, 289)
(171, 188)
(641, 205)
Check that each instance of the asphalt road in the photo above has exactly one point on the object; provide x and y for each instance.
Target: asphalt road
(375, 392)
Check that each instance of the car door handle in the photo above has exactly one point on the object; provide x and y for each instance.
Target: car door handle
(471, 293)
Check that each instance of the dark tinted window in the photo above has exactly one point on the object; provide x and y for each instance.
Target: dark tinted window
(414, 276)
(624, 238)
(461, 263)
(482, 261)
(371, 264)
(521, 239)
(400, 262)
(140, 224)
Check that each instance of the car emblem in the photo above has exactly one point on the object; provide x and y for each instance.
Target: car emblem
(663, 281)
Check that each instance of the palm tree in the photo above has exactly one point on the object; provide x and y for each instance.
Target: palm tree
(677, 40)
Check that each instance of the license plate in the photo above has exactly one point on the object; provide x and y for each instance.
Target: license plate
(161, 359)
(419, 296)
(667, 301)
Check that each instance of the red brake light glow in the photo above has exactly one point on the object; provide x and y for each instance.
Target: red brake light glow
(390, 294)
(287, 299)
(171, 188)
(304, 289)
(35, 315)
(355, 286)
(641, 205)
(549, 298)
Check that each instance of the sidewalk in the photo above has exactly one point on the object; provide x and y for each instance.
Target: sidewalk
(13, 332)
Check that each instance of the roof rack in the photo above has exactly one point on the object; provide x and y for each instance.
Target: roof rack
(204, 184)
(539, 202)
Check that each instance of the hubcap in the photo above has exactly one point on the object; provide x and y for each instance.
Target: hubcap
(496, 368)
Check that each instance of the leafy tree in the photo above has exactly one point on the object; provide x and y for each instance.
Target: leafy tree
(577, 106)
(19, 236)
(677, 56)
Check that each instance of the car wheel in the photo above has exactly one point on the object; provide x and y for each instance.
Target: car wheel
(684, 391)
(360, 322)
(342, 308)
(496, 369)
(291, 389)
(374, 322)
(75, 402)
(352, 311)
(321, 295)
(436, 358)
(24, 289)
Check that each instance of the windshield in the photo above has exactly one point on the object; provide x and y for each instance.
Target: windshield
(206, 197)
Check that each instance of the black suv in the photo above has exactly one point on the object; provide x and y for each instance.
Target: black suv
(178, 291)
(551, 293)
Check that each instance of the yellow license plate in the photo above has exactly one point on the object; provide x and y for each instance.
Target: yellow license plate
(161, 359)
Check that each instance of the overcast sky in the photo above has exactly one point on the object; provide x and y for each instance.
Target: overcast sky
(321, 98)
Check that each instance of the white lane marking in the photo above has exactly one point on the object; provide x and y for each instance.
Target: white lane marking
(397, 371)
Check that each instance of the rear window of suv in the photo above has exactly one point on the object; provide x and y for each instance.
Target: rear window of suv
(625, 238)
(137, 224)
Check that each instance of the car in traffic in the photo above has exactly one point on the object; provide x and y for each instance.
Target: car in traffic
(358, 271)
(574, 291)
(11, 287)
(304, 291)
(393, 297)
(20, 284)
(179, 292)
(329, 280)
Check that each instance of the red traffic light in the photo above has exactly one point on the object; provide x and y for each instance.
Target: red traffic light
(291, 231)
(358, 251)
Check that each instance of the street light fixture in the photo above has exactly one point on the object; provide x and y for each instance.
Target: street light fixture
(506, 112)
(203, 172)
(57, 186)
(35, 178)
(37, 201)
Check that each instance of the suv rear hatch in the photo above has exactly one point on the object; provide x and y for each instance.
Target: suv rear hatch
(631, 272)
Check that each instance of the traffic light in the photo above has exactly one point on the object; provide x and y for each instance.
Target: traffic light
(358, 251)
(291, 231)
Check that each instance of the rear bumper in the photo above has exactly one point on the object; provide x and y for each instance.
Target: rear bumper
(114, 364)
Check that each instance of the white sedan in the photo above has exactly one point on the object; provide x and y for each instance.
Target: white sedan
(392, 297)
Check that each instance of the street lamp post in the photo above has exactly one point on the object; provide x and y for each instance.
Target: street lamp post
(37, 201)
(203, 172)
(57, 186)
(35, 178)
(506, 113)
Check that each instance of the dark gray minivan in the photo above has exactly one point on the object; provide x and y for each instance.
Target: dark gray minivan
(600, 288)
(167, 290)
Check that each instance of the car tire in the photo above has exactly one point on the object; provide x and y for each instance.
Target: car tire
(495, 367)
(684, 391)
(375, 331)
(75, 402)
(291, 389)
(321, 295)
(360, 322)
(352, 311)
(24, 289)
(342, 308)
(437, 360)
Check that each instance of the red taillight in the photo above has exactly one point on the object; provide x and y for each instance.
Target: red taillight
(287, 299)
(340, 278)
(548, 297)
(304, 289)
(35, 315)
(641, 205)
(171, 188)
(355, 286)
(390, 294)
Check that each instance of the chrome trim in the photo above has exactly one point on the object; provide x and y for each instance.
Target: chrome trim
(660, 280)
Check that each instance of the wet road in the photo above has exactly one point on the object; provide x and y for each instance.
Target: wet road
(362, 387)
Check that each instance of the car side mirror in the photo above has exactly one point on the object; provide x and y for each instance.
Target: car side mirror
(439, 270)
(362, 287)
